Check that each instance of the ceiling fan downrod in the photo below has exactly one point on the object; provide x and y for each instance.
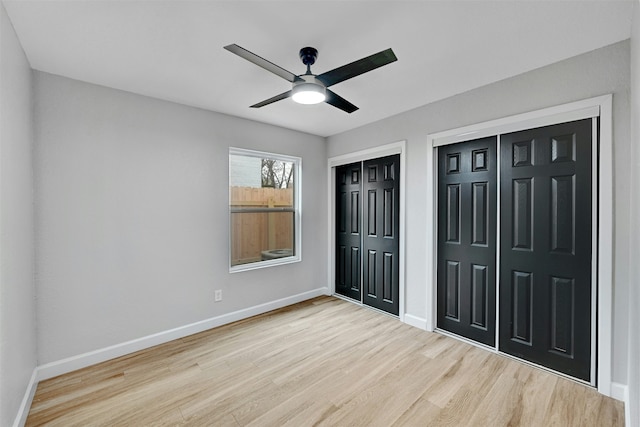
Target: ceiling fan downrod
(308, 56)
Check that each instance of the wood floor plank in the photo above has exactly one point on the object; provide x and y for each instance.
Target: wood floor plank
(468, 398)
(454, 378)
(321, 362)
(420, 413)
(501, 406)
(411, 371)
(535, 395)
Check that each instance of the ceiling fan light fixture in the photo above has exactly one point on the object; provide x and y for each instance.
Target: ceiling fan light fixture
(309, 93)
(309, 88)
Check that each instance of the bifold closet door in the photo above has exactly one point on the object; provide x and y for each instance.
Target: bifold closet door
(546, 246)
(467, 206)
(367, 263)
(348, 224)
(381, 229)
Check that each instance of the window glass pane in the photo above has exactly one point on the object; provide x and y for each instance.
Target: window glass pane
(255, 172)
(262, 207)
(261, 236)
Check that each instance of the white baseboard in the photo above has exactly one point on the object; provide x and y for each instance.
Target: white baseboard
(415, 321)
(619, 392)
(23, 412)
(80, 361)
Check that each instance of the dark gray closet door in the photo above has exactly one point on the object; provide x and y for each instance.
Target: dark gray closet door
(348, 224)
(546, 253)
(467, 239)
(381, 233)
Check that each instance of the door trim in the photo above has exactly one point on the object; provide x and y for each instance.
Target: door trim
(359, 156)
(602, 204)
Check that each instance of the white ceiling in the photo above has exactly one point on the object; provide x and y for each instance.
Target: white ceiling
(173, 50)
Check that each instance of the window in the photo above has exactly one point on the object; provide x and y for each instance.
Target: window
(264, 209)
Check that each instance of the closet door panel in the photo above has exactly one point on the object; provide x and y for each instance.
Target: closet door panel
(381, 266)
(546, 253)
(348, 219)
(467, 202)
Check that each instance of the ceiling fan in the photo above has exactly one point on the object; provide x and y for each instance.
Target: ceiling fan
(310, 88)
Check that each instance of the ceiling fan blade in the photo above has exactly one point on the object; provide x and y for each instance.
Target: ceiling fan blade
(261, 62)
(339, 102)
(356, 68)
(272, 99)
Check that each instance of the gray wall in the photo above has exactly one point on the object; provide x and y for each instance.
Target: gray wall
(132, 216)
(17, 293)
(634, 291)
(596, 73)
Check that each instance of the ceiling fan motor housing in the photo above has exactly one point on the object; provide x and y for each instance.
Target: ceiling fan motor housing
(307, 79)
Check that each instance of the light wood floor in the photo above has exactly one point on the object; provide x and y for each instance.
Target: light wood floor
(322, 362)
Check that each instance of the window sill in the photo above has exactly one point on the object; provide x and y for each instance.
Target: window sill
(264, 264)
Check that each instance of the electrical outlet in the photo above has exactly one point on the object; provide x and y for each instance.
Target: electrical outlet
(217, 295)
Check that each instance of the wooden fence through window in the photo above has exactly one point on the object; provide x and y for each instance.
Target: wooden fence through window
(253, 233)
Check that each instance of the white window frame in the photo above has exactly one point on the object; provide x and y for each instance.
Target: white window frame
(297, 204)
